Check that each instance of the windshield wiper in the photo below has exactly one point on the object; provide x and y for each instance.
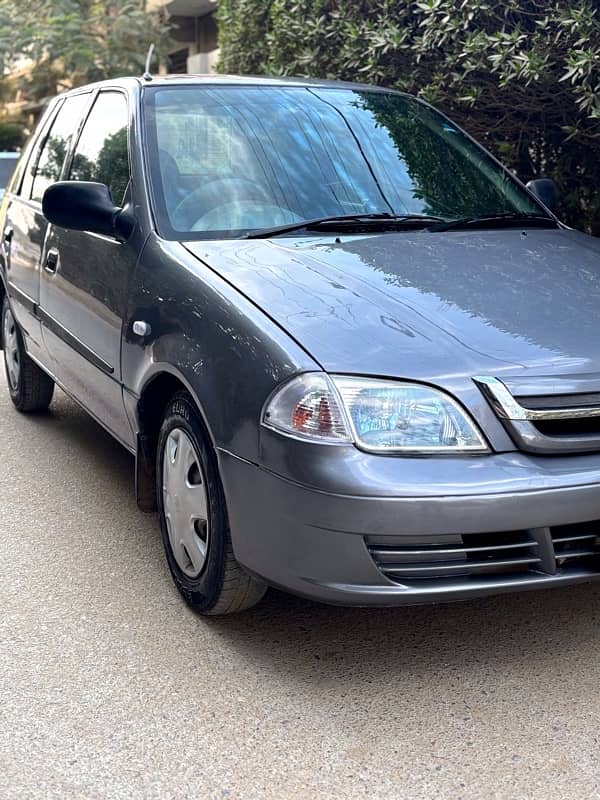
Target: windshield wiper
(509, 220)
(345, 221)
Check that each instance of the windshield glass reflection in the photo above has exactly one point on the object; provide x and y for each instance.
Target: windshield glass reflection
(230, 160)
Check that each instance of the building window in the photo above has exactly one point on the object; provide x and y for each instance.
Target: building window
(177, 62)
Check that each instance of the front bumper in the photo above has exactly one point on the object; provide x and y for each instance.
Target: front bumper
(319, 544)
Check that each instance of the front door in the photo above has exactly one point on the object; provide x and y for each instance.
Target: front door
(25, 226)
(85, 276)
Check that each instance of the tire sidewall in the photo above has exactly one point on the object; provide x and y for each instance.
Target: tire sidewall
(201, 592)
(15, 394)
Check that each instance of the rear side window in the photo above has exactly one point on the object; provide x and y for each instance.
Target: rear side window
(101, 152)
(48, 166)
(23, 177)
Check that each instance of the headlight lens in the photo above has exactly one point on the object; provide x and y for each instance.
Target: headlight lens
(377, 415)
(405, 417)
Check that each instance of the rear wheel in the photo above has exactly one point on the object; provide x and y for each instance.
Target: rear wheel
(29, 386)
(193, 517)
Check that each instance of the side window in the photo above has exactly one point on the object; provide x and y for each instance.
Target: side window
(32, 151)
(49, 165)
(101, 152)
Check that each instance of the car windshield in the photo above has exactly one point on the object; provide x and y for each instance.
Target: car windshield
(227, 161)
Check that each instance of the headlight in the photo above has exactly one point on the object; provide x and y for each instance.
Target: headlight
(380, 416)
(405, 417)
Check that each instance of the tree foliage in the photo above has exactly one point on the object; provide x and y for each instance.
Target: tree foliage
(12, 135)
(71, 42)
(523, 76)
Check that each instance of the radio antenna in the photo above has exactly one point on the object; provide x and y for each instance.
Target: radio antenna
(147, 76)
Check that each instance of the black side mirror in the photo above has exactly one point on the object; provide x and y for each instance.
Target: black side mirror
(85, 206)
(547, 191)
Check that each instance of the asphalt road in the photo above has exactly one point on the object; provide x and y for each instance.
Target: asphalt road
(111, 688)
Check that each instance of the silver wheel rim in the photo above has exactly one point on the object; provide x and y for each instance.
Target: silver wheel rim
(185, 503)
(11, 349)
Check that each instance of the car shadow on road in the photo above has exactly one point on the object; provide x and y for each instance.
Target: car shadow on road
(546, 630)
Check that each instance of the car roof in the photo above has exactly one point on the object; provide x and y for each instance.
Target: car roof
(214, 79)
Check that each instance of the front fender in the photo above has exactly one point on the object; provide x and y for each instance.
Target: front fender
(228, 353)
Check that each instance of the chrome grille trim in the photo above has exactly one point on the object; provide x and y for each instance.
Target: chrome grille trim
(448, 568)
(392, 553)
(565, 539)
(546, 402)
(575, 554)
(572, 429)
(507, 407)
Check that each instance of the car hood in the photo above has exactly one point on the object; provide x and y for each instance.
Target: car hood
(429, 306)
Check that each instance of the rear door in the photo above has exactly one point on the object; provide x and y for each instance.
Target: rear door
(25, 226)
(85, 276)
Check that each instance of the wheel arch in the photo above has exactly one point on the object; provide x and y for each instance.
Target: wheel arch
(154, 397)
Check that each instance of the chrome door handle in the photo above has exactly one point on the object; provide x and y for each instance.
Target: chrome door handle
(51, 264)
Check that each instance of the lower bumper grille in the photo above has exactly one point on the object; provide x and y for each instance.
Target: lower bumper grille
(413, 559)
(576, 542)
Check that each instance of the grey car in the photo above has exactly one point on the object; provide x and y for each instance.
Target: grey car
(353, 356)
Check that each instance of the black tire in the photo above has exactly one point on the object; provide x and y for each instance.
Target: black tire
(222, 587)
(33, 388)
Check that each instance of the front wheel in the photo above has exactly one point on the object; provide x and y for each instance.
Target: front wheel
(193, 517)
(29, 386)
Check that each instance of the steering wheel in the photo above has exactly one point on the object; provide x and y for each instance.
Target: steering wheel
(170, 178)
(245, 214)
(211, 195)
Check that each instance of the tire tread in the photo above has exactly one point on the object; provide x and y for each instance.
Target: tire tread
(38, 388)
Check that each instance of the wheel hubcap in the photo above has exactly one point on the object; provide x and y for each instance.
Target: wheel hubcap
(11, 349)
(185, 503)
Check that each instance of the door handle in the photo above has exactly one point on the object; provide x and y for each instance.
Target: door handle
(7, 237)
(51, 264)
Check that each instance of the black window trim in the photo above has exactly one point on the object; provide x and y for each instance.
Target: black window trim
(46, 135)
(76, 138)
(31, 156)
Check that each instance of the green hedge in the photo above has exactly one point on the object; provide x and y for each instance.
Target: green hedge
(12, 135)
(523, 77)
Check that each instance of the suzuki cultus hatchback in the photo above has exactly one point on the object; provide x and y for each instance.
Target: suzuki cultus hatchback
(354, 357)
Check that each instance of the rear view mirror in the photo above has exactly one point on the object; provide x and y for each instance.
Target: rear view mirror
(547, 191)
(85, 206)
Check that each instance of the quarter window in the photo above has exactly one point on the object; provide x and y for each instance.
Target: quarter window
(52, 156)
(101, 152)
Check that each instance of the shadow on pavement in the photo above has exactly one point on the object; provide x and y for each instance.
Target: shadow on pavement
(542, 629)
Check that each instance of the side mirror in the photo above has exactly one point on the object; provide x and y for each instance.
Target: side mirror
(85, 206)
(547, 191)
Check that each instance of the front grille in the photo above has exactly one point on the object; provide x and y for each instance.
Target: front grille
(563, 423)
(587, 426)
(569, 427)
(411, 560)
(550, 401)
